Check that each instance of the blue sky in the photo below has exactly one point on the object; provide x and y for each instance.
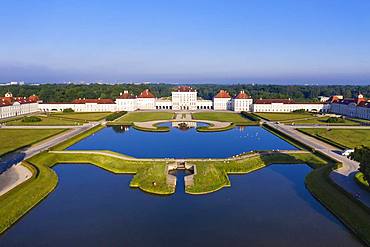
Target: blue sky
(286, 41)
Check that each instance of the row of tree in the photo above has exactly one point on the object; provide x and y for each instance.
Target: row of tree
(65, 93)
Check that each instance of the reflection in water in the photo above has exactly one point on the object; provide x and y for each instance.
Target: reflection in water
(183, 144)
(92, 207)
(120, 128)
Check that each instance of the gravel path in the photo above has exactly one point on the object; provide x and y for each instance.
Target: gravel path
(12, 177)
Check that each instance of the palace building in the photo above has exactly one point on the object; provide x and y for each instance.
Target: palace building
(14, 106)
(358, 107)
(185, 98)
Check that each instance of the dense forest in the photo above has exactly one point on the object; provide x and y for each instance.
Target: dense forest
(65, 93)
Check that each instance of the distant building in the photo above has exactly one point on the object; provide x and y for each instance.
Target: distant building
(222, 101)
(287, 105)
(242, 102)
(146, 100)
(14, 106)
(184, 98)
(358, 107)
(81, 105)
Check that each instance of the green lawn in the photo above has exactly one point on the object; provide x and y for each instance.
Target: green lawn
(46, 121)
(346, 138)
(321, 121)
(83, 116)
(235, 118)
(12, 139)
(353, 214)
(213, 175)
(131, 117)
(271, 116)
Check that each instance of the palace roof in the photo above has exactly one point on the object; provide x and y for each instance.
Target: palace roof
(242, 95)
(126, 95)
(184, 89)
(146, 94)
(10, 100)
(270, 101)
(223, 94)
(96, 101)
(360, 101)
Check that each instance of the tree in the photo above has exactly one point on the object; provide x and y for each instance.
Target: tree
(362, 155)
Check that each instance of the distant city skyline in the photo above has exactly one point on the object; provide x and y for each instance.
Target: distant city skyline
(272, 42)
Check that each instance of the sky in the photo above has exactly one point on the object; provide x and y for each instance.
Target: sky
(195, 41)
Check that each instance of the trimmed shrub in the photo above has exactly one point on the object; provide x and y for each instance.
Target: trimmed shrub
(115, 115)
(68, 110)
(300, 111)
(335, 120)
(31, 119)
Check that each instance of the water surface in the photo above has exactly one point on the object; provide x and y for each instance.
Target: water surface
(183, 144)
(92, 207)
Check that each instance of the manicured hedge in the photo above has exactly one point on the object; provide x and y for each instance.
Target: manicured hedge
(31, 119)
(68, 110)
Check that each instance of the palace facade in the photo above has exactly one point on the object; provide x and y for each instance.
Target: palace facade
(358, 107)
(185, 98)
(14, 106)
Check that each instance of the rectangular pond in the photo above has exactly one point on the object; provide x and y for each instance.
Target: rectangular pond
(183, 144)
(92, 207)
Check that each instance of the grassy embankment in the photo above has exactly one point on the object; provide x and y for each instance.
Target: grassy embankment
(271, 116)
(130, 118)
(342, 138)
(360, 180)
(235, 119)
(45, 121)
(343, 205)
(82, 116)
(13, 139)
(300, 118)
(58, 119)
(213, 175)
(350, 211)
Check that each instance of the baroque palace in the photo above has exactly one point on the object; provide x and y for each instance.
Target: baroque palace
(185, 98)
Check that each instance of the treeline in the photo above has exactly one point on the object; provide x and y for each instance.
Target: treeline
(65, 93)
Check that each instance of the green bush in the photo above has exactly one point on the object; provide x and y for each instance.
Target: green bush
(31, 119)
(300, 111)
(335, 120)
(115, 115)
(68, 110)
